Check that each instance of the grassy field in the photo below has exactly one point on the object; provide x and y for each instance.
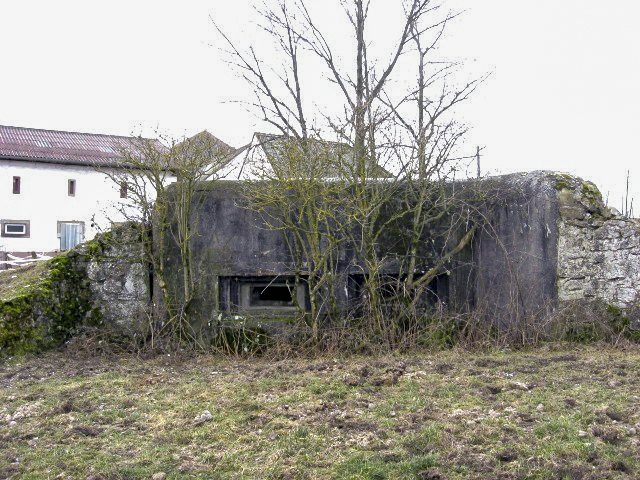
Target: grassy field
(557, 412)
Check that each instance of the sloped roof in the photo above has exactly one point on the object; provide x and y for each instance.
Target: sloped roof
(212, 146)
(74, 148)
(327, 159)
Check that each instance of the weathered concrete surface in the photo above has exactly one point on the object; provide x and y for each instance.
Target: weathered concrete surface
(514, 257)
(508, 271)
(543, 238)
(232, 239)
(230, 242)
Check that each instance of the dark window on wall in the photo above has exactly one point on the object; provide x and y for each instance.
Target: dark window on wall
(273, 295)
(270, 296)
(123, 189)
(71, 188)
(16, 185)
(15, 228)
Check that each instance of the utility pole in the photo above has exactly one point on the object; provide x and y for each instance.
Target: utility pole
(478, 159)
(626, 198)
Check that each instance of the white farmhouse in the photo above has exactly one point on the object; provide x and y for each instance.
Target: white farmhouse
(54, 192)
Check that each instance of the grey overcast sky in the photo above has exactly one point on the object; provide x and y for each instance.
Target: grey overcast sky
(564, 93)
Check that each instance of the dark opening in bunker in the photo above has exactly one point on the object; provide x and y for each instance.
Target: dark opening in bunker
(271, 296)
(264, 294)
(434, 295)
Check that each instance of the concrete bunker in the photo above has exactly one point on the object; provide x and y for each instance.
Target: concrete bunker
(521, 264)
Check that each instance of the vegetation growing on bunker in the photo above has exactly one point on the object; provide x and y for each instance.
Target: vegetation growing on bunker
(591, 195)
(43, 306)
(581, 322)
(574, 190)
(563, 181)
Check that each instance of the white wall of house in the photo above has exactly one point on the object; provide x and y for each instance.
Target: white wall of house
(44, 201)
(251, 164)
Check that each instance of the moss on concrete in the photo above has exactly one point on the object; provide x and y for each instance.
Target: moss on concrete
(578, 197)
(591, 195)
(564, 181)
(42, 306)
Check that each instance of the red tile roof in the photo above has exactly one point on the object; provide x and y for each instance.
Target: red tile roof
(74, 148)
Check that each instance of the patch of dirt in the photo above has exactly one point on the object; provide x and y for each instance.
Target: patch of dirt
(564, 358)
(507, 455)
(527, 369)
(490, 363)
(417, 449)
(87, 431)
(9, 471)
(608, 435)
(431, 475)
(353, 425)
(493, 389)
(616, 416)
(620, 466)
(476, 462)
(326, 366)
(443, 368)
(72, 405)
(573, 472)
(57, 364)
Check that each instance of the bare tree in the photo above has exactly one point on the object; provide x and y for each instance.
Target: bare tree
(159, 182)
(429, 135)
(400, 142)
(294, 197)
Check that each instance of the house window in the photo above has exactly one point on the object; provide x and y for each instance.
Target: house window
(71, 188)
(79, 223)
(123, 189)
(70, 233)
(15, 228)
(16, 185)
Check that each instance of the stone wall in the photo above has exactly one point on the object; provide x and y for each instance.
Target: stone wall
(598, 250)
(101, 283)
(119, 280)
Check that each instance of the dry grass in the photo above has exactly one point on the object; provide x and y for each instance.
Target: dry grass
(12, 282)
(558, 412)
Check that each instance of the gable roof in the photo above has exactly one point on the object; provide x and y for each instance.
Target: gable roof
(206, 144)
(283, 156)
(73, 148)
